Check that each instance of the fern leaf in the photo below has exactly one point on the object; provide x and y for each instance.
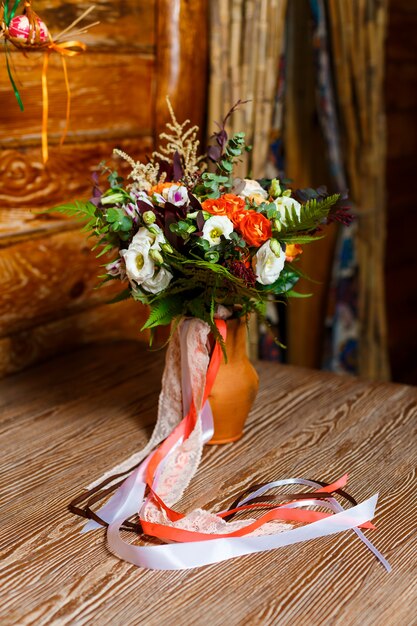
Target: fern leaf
(163, 311)
(299, 238)
(78, 209)
(311, 215)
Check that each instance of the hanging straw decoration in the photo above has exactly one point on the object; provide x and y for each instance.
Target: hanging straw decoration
(28, 33)
(246, 38)
(246, 43)
(358, 34)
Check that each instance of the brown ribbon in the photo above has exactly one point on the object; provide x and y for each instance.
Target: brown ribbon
(98, 493)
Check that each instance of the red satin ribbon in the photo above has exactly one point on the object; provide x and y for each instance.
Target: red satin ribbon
(183, 430)
(187, 425)
(168, 533)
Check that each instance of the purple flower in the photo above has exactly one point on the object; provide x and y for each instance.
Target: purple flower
(178, 195)
(131, 210)
(117, 269)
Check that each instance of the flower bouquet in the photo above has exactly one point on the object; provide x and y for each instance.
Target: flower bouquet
(199, 247)
(192, 240)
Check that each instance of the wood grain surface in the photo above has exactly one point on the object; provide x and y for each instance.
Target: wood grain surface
(126, 25)
(25, 182)
(59, 272)
(141, 51)
(121, 320)
(107, 91)
(64, 423)
(182, 57)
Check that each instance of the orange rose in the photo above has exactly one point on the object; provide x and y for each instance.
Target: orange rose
(255, 228)
(228, 204)
(235, 201)
(216, 206)
(292, 250)
(237, 208)
(160, 187)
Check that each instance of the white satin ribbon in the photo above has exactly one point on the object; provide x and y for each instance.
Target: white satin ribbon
(129, 498)
(196, 554)
(112, 509)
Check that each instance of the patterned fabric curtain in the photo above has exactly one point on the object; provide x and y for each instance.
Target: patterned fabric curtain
(358, 34)
(342, 328)
(245, 47)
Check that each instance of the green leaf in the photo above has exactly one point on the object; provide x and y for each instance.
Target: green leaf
(226, 165)
(295, 238)
(296, 294)
(285, 282)
(106, 249)
(79, 209)
(123, 295)
(9, 72)
(118, 220)
(163, 310)
(114, 214)
(311, 215)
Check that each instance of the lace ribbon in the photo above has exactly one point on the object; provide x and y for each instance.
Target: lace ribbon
(163, 473)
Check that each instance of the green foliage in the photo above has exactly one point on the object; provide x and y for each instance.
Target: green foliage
(163, 310)
(183, 228)
(311, 215)
(210, 185)
(113, 177)
(298, 238)
(296, 294)
(123, 295)
(233, 150)
(283, 285)
(79, 209)
(118, 220)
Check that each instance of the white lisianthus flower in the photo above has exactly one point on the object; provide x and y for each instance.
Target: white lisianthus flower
(251, 188)
(215, 227)
(176, 194)
(158, 282)
(153, 235)
(139, 265)
(141, 195)
(268, 264)
(158, 198)
(284, 202)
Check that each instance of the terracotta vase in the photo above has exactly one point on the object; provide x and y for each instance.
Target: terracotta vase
(235, 387)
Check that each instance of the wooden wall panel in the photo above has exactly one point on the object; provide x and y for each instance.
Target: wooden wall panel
(116, 321)
(182, 70)
(127, 25)
(111, 96)
(48, 278)
(25, 181)
(141, 51)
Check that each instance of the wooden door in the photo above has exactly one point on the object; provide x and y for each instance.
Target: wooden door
(141, 51)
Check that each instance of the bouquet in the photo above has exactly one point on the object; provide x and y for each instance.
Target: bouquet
(191, 239)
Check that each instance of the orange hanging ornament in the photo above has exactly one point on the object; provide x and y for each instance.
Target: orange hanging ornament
(28, 33)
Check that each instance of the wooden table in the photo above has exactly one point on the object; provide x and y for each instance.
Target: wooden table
(65, 422)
